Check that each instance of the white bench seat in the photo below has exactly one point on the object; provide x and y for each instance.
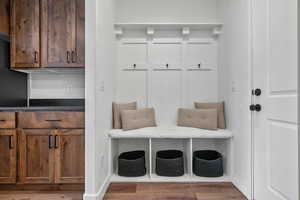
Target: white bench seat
(171, 132)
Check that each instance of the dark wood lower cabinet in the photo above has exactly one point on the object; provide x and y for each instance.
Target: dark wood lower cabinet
(51, 156)
(36, 161)
(47, 152)
(8, 156)
(69, 156)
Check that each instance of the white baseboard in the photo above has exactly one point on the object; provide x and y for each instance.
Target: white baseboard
(100, 194)
(242, 189)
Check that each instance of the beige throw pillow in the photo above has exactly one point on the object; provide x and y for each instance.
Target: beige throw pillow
(135, 119)
(117, 109)
(198, 118)
(219, 106)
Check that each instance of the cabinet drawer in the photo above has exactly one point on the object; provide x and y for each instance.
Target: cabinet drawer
(51, 120)
(7, 120)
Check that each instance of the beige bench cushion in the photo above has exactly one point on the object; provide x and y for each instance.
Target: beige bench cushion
(198, 118)
(141, 118)
(214, 105)
(117, 109)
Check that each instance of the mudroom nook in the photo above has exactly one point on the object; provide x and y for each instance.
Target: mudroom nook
(191, 94)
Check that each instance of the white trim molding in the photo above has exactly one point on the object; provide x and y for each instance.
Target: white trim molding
(101, 192)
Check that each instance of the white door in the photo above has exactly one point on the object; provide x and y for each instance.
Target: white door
(275, 73)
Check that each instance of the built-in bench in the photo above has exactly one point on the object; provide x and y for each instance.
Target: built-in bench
(185, 139)
(171, 132)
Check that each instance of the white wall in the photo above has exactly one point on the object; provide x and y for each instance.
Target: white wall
(100, 53)
(235, 84)
(45, 85)
(166, 11)
(105, 81)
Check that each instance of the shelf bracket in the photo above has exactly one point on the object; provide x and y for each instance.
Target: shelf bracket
(216, 31)
(119, 31)
(150, 31)
(186, 31)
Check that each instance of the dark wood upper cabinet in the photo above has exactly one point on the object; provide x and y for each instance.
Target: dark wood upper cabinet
(48, 33)
(58, 22)
(79, 50)
(36, 156)
(25, 34)
(8, 156)
(62, 33)
(5, 17)
(69, 156)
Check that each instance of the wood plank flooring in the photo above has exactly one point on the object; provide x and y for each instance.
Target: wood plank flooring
(173, 191)
(33, 195)
(141, 191)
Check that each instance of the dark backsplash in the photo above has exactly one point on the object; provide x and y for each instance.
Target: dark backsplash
(56, 102)
(13, 85)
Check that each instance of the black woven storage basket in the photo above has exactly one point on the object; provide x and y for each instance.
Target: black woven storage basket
(169, 163)
(207, 163)
(132, 164)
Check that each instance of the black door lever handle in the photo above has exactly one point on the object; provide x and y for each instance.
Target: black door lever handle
(256, 92)
(256, 107)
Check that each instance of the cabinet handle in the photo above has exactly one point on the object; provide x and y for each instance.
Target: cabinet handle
(2, 120)
(167, 65)
(35, 57)
(199, 65)
(53, 120)
(74, 57)
(50, 142)
(68, 56)
(11, 143)
(55, 142)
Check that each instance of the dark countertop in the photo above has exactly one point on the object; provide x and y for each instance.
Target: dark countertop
(41, 108)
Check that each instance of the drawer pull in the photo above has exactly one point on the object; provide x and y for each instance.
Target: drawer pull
(2, 120)
(11, 143)
(53, 120)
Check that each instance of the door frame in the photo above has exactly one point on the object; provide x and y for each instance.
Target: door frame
(253, 98)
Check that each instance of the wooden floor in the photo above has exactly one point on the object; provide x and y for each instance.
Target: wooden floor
(173, 191)
(18, 195)
(142, 191)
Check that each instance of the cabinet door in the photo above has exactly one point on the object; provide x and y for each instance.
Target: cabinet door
(78, 52)
(36, 156)
(4, 17)
(25, 34)
(69, 156)
(58, 32)
(8, 156)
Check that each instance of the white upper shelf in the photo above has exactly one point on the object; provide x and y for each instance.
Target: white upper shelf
(186, 28)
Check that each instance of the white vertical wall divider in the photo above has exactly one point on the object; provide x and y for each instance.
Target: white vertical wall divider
(150, 158)
(191, 156)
